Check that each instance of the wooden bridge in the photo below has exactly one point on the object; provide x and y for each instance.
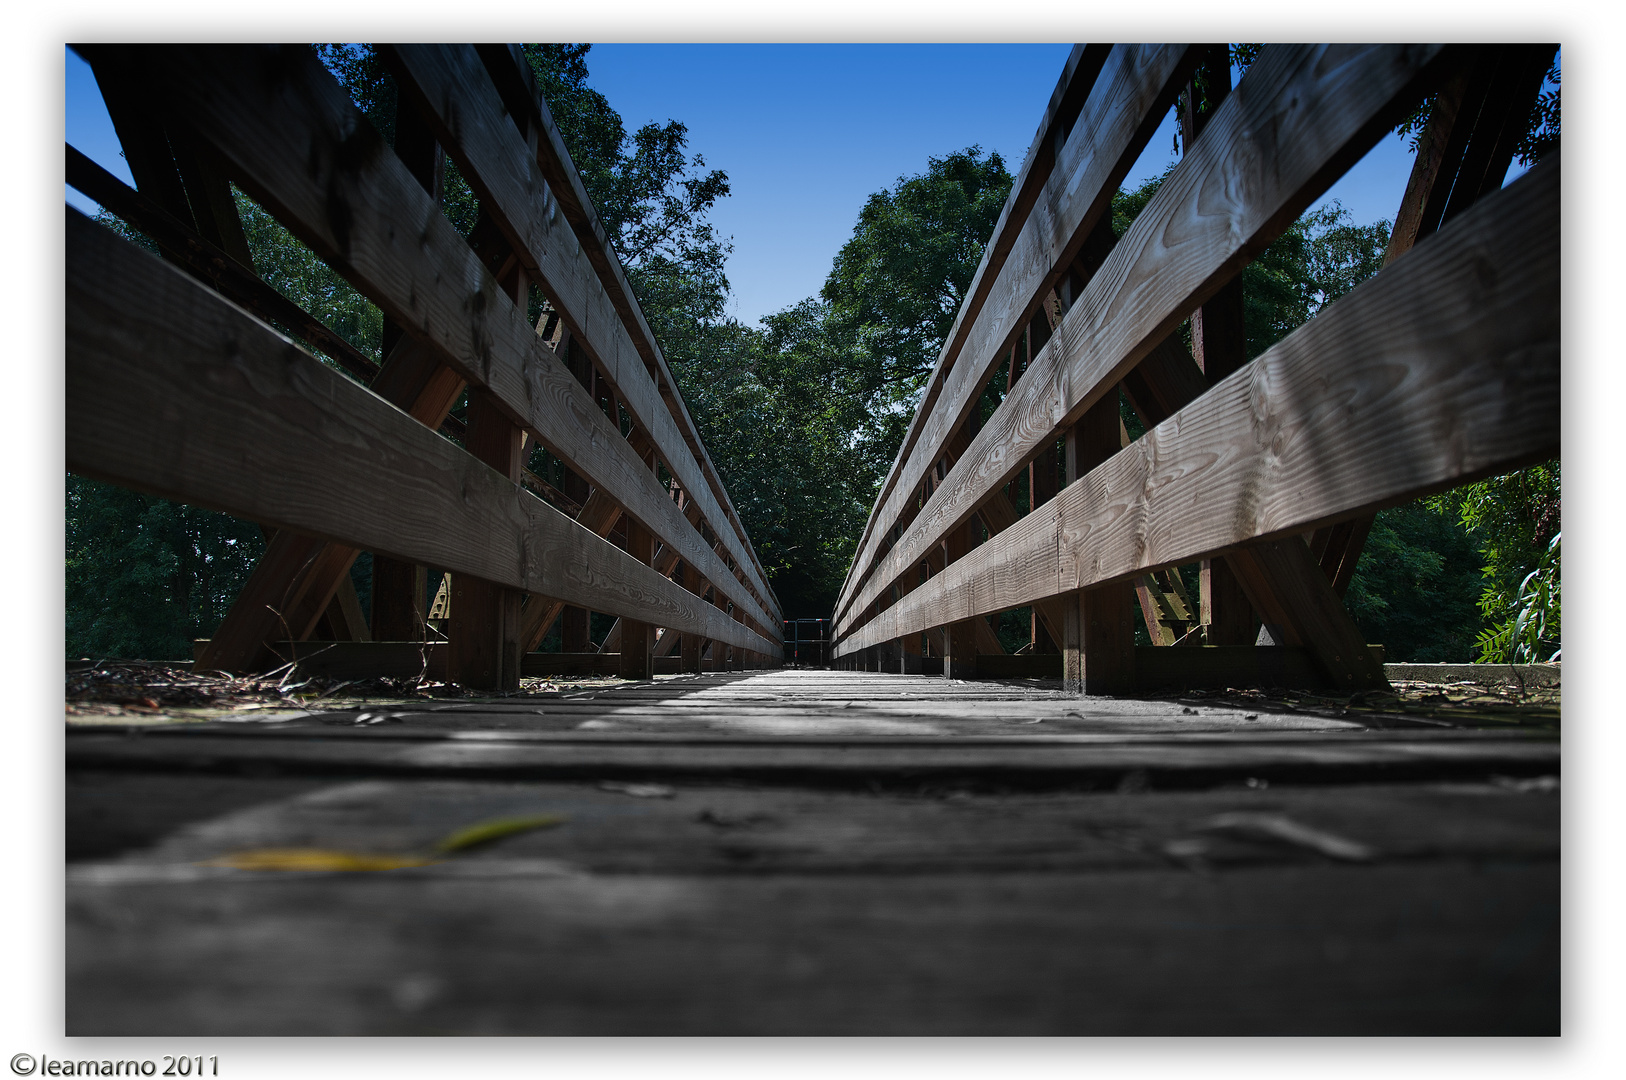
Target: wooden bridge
(1440, 370)
(1035, 843)
(337, 467)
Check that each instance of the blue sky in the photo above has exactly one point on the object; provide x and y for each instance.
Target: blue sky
(807, 132)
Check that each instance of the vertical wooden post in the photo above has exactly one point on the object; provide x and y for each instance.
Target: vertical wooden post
(638, 638)
(574, 636)
(399, 588)
(1227, 617)
(398, 600)
(691, 644)
(960, 638)
(1098, 655)
(484, 628)
(1219, 345)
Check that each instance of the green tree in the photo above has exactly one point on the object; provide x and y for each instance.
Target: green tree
(833, 380)
(1413, 589)
(1517, 520)
(896, 286)
(146, 576)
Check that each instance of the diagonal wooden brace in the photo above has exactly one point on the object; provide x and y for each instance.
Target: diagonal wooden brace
(1288, 589)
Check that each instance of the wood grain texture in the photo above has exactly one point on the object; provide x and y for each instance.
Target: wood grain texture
(1442, 368)
(451, 87)
(305, 150)
(1122, 111)
(227, 274)
(1072, 758)
(295, 576)
(172, 390)
(1284, 571)
(1079, 76)
(1301, 116)
(599, 516)
(515, 81)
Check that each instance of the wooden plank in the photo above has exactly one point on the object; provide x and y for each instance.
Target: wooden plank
(457, 93)
(1464, 153)
(509, 69)
(1122, 111)
(233, 279)
(1286, 586)
(638, 636)
(1079, 77)
(773, 911)
(484, 628)
(598, 515)
(398, 600)
(1441, 369)
(1325, 106)
(1098, 624)
(1218, 347)
(834, 832)
(345, 610)
(296, 139)
(287, 597)
(172, 390)
(1170, 760)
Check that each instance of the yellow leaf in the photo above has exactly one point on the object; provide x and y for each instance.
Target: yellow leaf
(485, 832)
(315, 859)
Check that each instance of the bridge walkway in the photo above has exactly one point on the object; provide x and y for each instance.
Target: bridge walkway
(814, 852)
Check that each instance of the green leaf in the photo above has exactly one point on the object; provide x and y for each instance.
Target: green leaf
(486, 832)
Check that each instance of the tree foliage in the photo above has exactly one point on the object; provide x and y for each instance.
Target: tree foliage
(1517, 519)
(146, 576)
(834, 379)
(896, 285)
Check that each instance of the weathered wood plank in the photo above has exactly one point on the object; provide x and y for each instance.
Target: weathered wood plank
(731, 910)
(1078, 77)
(1322, 107)
(514, 79)
(210, 263)
(305, 150)
(1475, 123)
(451, 87)
(296, 575)
(1119, 116)
(1286, 586)
(171, 389)
(810, 831)
(1171, 761)
(1442, 368)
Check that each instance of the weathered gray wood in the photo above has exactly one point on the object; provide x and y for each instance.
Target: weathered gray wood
(508, 67)
(1323, 106)
(296, 139)
(1171, 762)
(1209, 667)
(1442, 368)
(172, 390)
(1118, 118)
(210, 263)
(726, 909)
(599, 515)
(1078, 78)
(1286, 586)
(452, 88)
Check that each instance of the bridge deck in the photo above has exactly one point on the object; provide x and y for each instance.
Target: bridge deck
(814, 852)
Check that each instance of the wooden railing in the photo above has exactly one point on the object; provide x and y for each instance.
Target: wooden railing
(1441, 369)
(176, 385)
